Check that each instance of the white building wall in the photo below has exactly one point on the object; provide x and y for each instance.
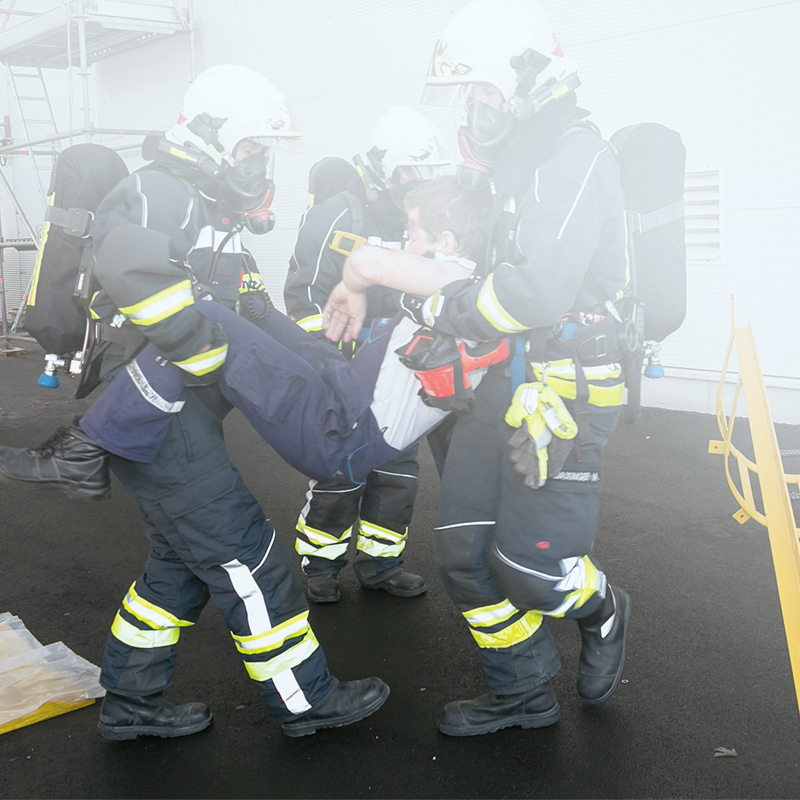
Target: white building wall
(723, 74)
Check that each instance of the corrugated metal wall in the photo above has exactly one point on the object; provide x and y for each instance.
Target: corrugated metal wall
(724, 75)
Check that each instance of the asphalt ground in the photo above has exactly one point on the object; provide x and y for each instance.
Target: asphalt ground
(707, 661)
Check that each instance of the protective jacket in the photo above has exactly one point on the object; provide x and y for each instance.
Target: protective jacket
(161, 242)
(568, 236)
(315, 269)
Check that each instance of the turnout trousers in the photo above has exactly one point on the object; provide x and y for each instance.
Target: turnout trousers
(510, 556)
(380, 509)
(327, 417)
(209, 539)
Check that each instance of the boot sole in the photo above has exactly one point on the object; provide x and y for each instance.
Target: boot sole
(119, 734)
(319, 599)
(541, 720)
(74, 492)
(595, 701)
(395, 592)
(307, 728)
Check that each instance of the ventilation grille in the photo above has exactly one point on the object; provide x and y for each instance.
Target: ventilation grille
(706, 234)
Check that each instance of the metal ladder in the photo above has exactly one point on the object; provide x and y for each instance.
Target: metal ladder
(37, 120)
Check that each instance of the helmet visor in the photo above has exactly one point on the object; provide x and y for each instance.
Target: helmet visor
(407, 173)
(452, 94)
(289, 141)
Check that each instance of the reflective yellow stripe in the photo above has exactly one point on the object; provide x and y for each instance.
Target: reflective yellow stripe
(565, 368)
(132, 636)
(490, 615)
(273, 638)
(493, 311)
(316, 536)
(161, 305)
(602, 396)
(378, 549)
(42, 242)
(516, 632)
(152, 615)
(372, 530)
(294, 656)
(312, 323)
(205, 362)
(331, 552)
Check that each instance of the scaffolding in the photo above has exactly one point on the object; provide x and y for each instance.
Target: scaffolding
(61, 34)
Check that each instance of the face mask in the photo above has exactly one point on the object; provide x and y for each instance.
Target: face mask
(248, 182)
(261, 219)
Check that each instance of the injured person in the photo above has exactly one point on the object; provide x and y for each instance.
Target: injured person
(324, 415)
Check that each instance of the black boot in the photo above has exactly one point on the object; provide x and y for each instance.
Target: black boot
(536, 708)
(129, 717)
(602, 656)
(348, 702)
(323, 587)
(68, 460)
(400, 584)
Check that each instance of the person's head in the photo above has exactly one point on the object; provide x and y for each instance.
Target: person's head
(445, 217)
(405, 148)
(237, 118)
(500, 59)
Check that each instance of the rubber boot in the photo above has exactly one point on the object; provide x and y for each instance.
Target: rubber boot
(69, 460)
(347, 703)
(536, 708)
(128, 717)
(602, 657)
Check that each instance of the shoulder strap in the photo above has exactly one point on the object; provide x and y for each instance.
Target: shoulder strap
(356, 207)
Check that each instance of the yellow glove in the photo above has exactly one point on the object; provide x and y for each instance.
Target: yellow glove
(545, 430)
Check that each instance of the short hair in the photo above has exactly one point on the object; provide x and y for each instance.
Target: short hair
(445, 205)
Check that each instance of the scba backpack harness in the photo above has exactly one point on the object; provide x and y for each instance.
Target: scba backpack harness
(652, 163)
(651, 160)
(56, 314)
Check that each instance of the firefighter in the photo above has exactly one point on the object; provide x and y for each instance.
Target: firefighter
(404, 149)
(167, 239)
(518, 508)
(514, 534)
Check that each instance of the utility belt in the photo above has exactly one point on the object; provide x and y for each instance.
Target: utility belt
(589, 339)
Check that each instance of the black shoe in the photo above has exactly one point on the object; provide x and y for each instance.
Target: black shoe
(128, 717)
(323, 587)
(348, 702)
(602, 656)
(488, 713)
(401, 584)
(68, 460)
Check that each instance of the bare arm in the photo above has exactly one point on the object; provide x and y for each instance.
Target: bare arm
(345, 310)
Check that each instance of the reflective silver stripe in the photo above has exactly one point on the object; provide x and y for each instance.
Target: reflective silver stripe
(490, 615)
(209, 237)
(580, 192)
(258, 620)
(149, 393)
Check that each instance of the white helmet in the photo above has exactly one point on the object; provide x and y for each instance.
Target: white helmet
(509, 44)
(405, 145)
(228, 103)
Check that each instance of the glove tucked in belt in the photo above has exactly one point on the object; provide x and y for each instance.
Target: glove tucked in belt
(545, 430)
